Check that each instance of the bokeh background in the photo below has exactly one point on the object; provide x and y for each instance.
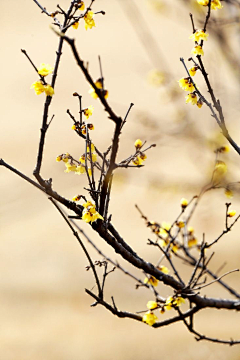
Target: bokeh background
(44, 310)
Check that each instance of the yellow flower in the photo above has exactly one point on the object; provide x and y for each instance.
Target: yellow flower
(191, 98)
(65, 157)
(199, 35)
(91, 215)
(151, 305)
(94, 157)
(197, 50)
(88, 111)
(165, 227)
(137, 161)
(74, 127)
(231, 213)
(80, 170)
(180, 224)
(138, 144)
(228, 193)
(184, 203)
(82, 159)
(149, 318)
(49, 91)
(89, 204)
(192, 242)
(186, 84)
(174, 248)
(81, 5)
(88, 18)
(151, 281)
(59, 158)
(215, 4)
(75, 25)
(178, 301)
(143, 156)
(92, 148)
(45, 69)
(223, 149)
(89, 171)
(76, 198)
(90, 126)
(199, 103)
(163, 269)
(38, 87)
(190, 230)
(70, 167)
(169, 303)
(193, 70)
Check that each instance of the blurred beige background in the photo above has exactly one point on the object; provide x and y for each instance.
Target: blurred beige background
(44, 311)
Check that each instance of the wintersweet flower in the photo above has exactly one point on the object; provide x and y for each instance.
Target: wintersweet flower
(89, 21)
(76, 198)
(199, 35)
(190, 230)
(223, 149)
(143, 156)
(99, 85)
(80, 170)
(178, 301)
(45, 69)
(184, 203)
(163, 269)
(151, 281)
(82, 159)
(81, 5)
(231, 213)
(180, 224)
(192, 242)
(151, 305)
(186, 84)
(197, 50)
(70, 167)
(38, 87)
(89, 213)
(215, 4)
(75, 25)
(169, 303)
(138, 144)
(49, 91)
(199, 103)
(88, 111)
(193, 70)
(59, 158)
(149, 318)
(191, 98)
(137, 161)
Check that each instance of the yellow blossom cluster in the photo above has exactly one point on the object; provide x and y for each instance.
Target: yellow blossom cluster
(215, 4)
(73, 165)
(89, 213)
(99, 85)
(82, 129)
(172, 302)
(89, 21)
(41, 86)
(193, 99)
(151, 281)
(140, 156)
(192, 241)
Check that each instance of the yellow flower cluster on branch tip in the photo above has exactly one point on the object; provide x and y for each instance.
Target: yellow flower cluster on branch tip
(197, 50)
(180, 224)
(192, 242)
(88, 111)
(89, 21)
(45, 69)
(40, 88)
(149, 318)
(184, 203)
(89, 213)
(70, 167)
(151, 305)
(231, 213)
(199, 35)
(59, 158)
(76, 25)
(138, 144)
(80, 170)
(215, 4)
(151, 281)
(137, 161)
